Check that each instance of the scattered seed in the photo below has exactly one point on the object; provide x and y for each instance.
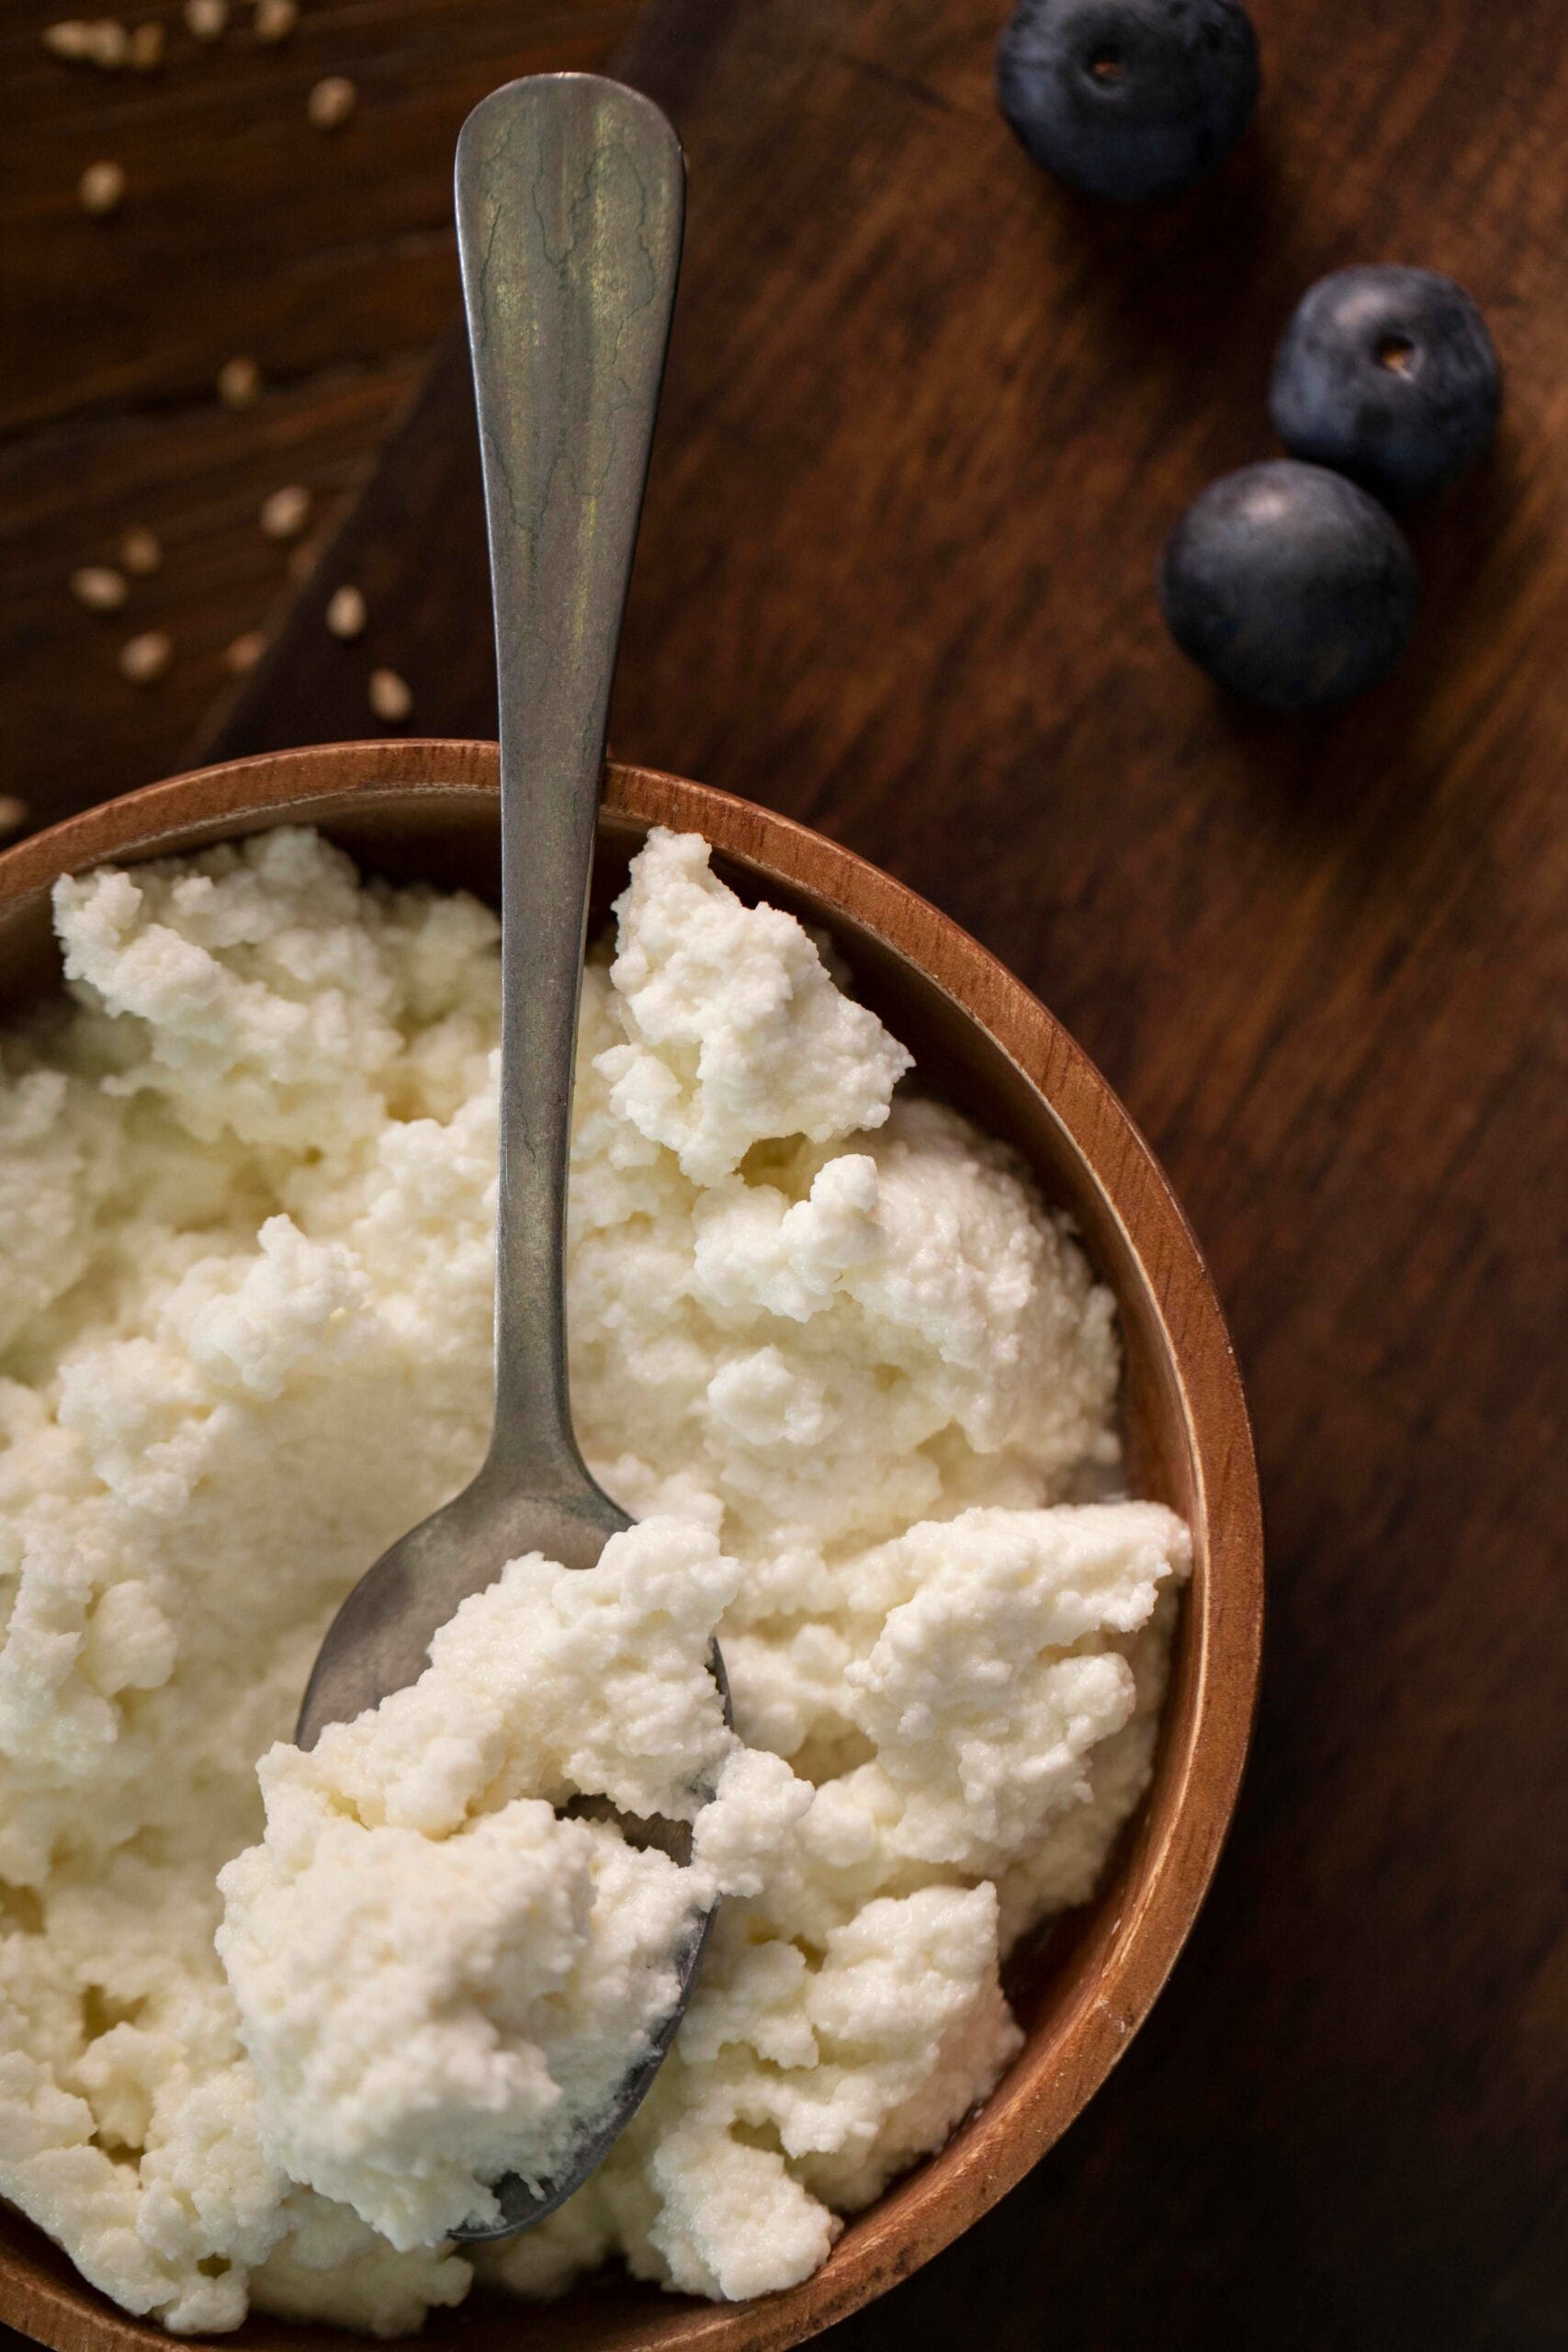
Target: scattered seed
(13, 813)
(238, 383)
(285, 515)
(98, 40)
(332, 102)
(71, 39)
(389, 696)
(101, 590)
(246, 650)
(345, 612)
(141, 550)
(101, 188)
(109, 43)
(147, 47)
(206, 20)
(276, 19)
(143, 658)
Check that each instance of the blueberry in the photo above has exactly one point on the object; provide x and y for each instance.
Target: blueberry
(1390, 376)
(1289, 585)
(1128, 98)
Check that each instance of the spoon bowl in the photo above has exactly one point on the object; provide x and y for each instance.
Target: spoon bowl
(430, 810)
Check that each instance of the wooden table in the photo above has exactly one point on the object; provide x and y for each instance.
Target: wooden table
(327, 257)
(928, 419)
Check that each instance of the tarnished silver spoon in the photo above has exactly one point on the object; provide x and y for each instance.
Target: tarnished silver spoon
(570, 195)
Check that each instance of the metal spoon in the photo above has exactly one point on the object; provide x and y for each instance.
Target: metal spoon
(570, 195)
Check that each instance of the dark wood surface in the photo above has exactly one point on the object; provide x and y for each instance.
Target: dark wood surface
(326, 257)
(928, 421)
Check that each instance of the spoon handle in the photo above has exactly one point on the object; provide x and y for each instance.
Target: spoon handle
(570, 195)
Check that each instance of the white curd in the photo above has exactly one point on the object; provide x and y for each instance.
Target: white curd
(831, 1351)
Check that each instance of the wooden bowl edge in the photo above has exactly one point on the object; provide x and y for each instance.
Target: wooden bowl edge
(1196, 1788)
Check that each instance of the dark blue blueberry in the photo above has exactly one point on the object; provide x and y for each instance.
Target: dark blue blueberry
(1128, 98)
(1390, 376)
(1289, 585)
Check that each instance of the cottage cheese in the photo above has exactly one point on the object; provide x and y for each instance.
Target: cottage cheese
(827, 1347)
(439, 1979)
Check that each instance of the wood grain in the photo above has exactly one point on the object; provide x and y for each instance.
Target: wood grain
(434, 810)
(928, 419)
(327, 258)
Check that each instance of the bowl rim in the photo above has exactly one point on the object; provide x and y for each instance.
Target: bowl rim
(1046, 2090)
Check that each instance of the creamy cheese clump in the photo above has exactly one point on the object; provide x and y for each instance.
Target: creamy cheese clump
(439, 1979)
(828, 1347)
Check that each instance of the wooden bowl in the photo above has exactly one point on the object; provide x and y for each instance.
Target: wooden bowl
(429, 810)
